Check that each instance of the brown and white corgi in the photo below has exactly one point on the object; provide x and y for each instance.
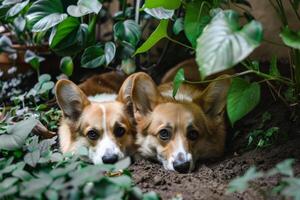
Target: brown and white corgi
(178, 132)
(100, 123)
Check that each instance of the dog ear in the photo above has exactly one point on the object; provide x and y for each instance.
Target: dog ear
(70, 99)
(140, 94)
(213, 98)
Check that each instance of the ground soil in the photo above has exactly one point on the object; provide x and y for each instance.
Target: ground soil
(211, 178)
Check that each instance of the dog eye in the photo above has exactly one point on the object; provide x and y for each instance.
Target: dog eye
(119, 131)
(192, 135)
(164, 134)
(92, 135)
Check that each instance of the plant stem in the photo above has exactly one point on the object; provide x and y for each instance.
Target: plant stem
(179, 43)
(295, 10)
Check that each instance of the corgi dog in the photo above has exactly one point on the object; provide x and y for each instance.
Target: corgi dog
(178, 131)
(100, 123)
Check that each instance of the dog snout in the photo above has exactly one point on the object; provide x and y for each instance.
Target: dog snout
(110, 158)
(181, 164)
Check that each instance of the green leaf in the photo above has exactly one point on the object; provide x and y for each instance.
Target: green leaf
(128, 66)
(110, 52)
(93, 57)
(285, 168)
(178, 26)
(32, 158)
(242, 98)
(167, 4)
(123, 164)
(66, 65)
(160, 13)
(35, 187)
(290, 38)
(44, 78)
(69, 38)
(292, 190)
(44, 14)
(223, 43)
(6, 45)
(123, 181)
(17, 134)
(33, 59)
(159, 33)
(128, 31)
(10, 2)
(151, 196)
(17, 8)
(196, 18)
(240, 184)
(20, 23)
(178, 80)
(84, 7)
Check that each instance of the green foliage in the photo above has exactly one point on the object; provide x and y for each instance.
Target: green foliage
(288, 185)
(93, 57)
(196, 18)
(242, 98)
(224, 43)
(66, 65)
(33, 59)
(159, 33)
(178, 26)
(17, 8)
(83, 8)
(45, 14)
(174, 4)
(128, 32)
(290, 38)
(178, 80)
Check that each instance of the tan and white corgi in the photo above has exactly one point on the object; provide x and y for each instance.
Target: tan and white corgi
(100, 123)
(178, 132)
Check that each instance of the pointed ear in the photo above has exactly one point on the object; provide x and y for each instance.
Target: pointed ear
(70, 99)
(140, 92)
(213, 98)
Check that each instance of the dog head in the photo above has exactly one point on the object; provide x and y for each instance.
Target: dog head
(104, 128)
(178, 132)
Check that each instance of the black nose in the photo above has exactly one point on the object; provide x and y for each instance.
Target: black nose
(182, 167)
(110, 159)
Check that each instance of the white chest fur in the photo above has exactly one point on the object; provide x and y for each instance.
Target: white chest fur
(105, 97)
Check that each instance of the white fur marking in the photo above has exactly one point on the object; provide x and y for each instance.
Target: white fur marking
(105, 97)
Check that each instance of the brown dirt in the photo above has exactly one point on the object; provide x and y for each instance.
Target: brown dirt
(211, 178)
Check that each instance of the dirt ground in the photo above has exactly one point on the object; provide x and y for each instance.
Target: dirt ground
(211, 178)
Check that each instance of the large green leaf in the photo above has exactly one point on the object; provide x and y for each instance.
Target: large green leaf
(128, 31)
(17, 134)
(17, 8)
(93, 57)
(84, 7)
(69, 38)
(167, 4)
(44, 14)
(224, 43)
(160, 13)
(196, 18)
(290, 38)
(159, 33)
(110, 52)
(178, 80)
(242, 98)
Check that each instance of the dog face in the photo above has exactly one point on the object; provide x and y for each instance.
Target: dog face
(104, 128)
(178, 132)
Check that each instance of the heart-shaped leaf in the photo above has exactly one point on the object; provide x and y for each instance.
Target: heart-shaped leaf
(69, 38)
(33, 59)
(159, 33)
(224, 43)
(242, 98)
(51, 10)
(93, 57)
(128, 31)
(66, 65)
(196, 18)
(290, 38)
(17, 8)
(84, 7)
(160, 13)
(110, 51)
(17, 134)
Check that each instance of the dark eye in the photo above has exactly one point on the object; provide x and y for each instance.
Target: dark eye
(119, 131)
(164, 134)
(192, 135)
(92, 135)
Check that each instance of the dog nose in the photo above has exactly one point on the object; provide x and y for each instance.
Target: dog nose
(182, 167)
(110, 159)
